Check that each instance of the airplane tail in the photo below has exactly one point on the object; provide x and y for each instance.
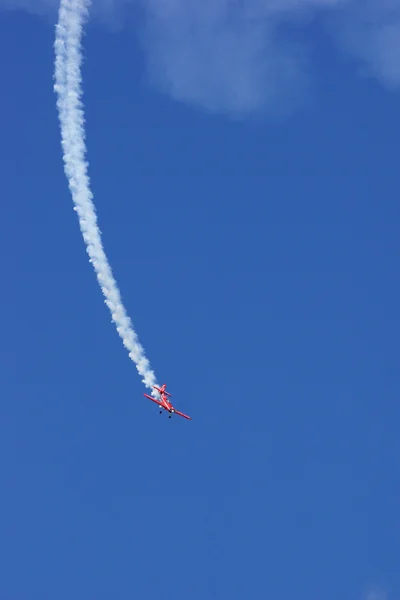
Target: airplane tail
(162, 390)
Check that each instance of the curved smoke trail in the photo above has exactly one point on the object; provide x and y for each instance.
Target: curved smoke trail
(72, 15)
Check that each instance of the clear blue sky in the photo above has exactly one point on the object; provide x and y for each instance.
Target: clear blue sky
(259, 261)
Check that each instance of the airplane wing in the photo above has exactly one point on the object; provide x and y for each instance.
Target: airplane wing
(154, 400)
(177, 412)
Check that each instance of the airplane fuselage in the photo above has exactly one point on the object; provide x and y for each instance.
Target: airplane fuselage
(164, 403)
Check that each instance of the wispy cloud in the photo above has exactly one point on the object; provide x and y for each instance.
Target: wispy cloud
(376, 594)
(239, 57)
(370, 31)
(221, 57)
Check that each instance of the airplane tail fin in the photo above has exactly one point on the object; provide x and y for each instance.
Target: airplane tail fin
(162, 390)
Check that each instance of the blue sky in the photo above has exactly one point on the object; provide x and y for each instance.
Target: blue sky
(257, 254)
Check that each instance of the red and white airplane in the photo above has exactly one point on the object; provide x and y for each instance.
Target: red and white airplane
(164, 403)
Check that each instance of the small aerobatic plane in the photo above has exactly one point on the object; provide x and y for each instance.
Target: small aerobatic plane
(164, 403)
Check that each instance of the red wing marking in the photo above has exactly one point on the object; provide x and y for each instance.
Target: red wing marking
(154, 400)
(177, 412)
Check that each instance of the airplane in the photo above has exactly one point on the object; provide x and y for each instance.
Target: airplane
(164, 403)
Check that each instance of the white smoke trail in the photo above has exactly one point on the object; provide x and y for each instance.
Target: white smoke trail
(72, 14)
